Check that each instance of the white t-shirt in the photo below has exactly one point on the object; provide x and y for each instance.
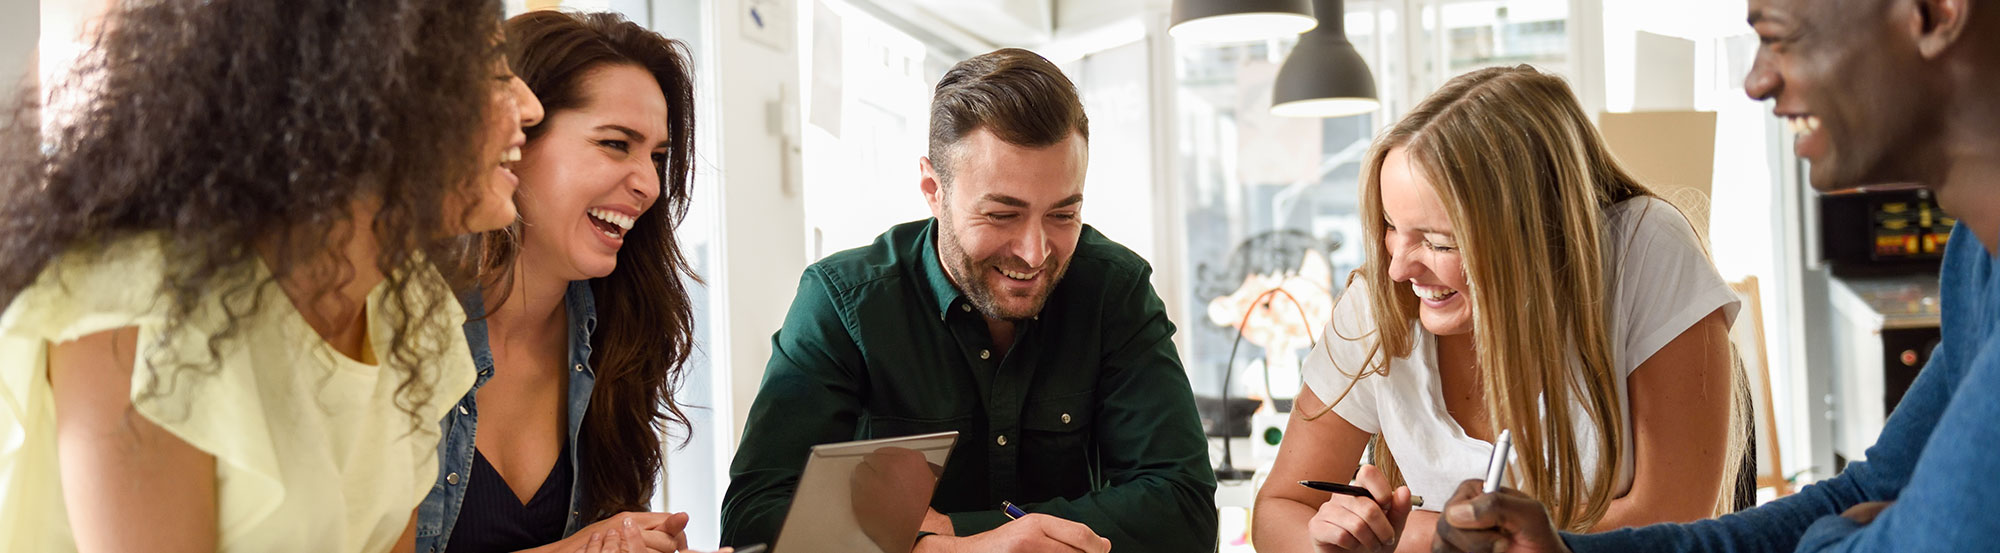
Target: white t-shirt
(1661, 283)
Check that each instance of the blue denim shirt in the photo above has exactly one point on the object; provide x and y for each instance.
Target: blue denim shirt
(1935, 458)
(439, 510)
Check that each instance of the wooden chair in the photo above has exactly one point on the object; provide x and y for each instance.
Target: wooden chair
(1748, 335)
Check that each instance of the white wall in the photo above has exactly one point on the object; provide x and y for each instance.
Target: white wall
(763, 236)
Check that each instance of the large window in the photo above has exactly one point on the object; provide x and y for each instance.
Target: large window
(867, 107)
(1270, 202)
(1267, 202)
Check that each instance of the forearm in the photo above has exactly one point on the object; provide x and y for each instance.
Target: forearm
(1418, 532)
(1149, 513)
(1774, 527)
(1278, 525)
(1642, 508)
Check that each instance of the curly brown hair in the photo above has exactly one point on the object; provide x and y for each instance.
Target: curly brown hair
(642, 342)
(247, 131)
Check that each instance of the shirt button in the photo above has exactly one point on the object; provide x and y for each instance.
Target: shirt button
(985, 354)
(462, 411)
(451, 479)
(1002, 440)
(579, 367)
(966, 307)
(1065, 418)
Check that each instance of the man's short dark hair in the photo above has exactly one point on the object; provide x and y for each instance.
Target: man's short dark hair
(1018, 95)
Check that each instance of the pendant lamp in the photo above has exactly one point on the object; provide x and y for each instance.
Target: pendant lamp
(1217, 21)
(1324, 76)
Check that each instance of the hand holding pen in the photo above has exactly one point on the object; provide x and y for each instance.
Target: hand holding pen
(1484, 515)
(1025, 532)
(1364, 516)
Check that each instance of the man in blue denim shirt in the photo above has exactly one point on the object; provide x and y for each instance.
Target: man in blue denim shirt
(440, 509)
(1879, 91)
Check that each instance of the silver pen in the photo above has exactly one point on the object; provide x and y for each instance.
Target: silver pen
(1496, 466)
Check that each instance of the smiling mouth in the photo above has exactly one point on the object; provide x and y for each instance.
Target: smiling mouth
(611, 223)
(1027, 276)
(1802, 125)
(509, 157)
(1432, 293)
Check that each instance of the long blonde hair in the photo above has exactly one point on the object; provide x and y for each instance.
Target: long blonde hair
(1511, 154)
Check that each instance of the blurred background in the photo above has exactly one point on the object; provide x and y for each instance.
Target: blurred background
(814, 113)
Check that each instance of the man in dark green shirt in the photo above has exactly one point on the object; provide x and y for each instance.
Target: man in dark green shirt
(1006, 319)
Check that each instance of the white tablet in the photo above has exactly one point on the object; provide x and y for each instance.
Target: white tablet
(829, 513)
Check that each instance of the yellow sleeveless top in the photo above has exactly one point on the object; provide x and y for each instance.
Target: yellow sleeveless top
(312, 451)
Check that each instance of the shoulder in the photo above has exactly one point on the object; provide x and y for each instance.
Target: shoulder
(888, 257)
(91, 289)
(1099, 258)
(1649, 240)
(1649, 215)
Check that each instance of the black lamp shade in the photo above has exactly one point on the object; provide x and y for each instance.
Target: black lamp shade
(1324, 76)
(1240, 20)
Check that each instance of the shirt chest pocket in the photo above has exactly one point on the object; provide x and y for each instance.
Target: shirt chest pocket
(1058, 442)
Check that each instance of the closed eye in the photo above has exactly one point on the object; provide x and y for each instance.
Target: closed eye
(619, 145)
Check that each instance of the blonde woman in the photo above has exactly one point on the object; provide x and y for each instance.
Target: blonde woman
(1517, 279)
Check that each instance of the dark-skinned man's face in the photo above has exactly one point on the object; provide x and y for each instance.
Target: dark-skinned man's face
(1849, 80)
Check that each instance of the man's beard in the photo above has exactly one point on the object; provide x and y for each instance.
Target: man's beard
(971, 277)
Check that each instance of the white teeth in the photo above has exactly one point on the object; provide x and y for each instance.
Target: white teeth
(622, 221)
(511, 155)
(1430, 293)
(1019, 276)
(1802, 124)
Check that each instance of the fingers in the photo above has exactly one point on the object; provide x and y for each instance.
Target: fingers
(1399, 508)
(1510, 512)
(1482, 522)
(1371, 517)
(629, 540)
(660, 541)
(1378, 485)
(1070, 533)
(1865, 513)
(674, 523)
(1468, 541)
(1342, 522)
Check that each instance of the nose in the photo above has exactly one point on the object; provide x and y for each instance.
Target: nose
(644, 182)
(1763, 82)
(1401, 265)
(525, 100)
(1033, 245)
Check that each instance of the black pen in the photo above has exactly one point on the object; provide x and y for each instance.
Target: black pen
(1356, 491)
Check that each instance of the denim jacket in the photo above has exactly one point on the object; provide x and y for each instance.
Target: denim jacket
(439, 511)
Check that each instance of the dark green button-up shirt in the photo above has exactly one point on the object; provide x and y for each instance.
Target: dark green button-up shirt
(1087, 417)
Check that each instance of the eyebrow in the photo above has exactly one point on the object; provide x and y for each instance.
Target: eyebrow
(1011, 201)
(633, 135)
(1420, 230)
(1758, 15)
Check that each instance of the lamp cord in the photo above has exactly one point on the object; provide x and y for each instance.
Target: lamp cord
(1229, 368)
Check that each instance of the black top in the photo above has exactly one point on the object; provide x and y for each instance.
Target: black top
(493, 520)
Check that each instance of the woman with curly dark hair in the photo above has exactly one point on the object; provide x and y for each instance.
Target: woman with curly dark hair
(587, 321)
(221, 315)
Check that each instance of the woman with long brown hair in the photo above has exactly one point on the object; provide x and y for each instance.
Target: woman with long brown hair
(1517, 279)
(586, 321)
(223, 329)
